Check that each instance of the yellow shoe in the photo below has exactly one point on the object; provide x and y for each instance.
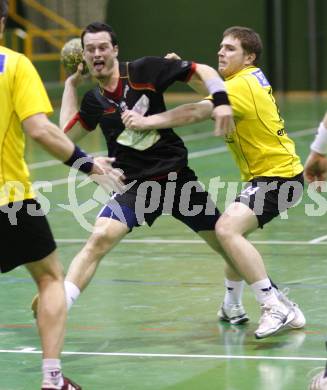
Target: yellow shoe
(34, 305)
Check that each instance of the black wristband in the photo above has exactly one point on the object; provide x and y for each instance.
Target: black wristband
(84, 166)
(220, 98)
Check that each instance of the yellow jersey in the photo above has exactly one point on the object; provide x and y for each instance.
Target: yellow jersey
(22, 95)
(259, 144)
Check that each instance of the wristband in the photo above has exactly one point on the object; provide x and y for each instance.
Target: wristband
(319, 145)
(215, 84)
(220, 98)
(80, 160)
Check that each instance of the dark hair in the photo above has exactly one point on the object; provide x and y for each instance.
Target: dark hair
(3, 8)
(98, 27)
(250, 40)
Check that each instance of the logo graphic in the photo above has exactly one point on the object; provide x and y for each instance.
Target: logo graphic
(261, 78)
(2, 63)
(100, 197)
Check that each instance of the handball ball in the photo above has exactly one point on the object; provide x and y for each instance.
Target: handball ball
(71, 55)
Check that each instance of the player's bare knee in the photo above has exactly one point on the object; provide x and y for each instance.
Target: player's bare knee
(100, 241)
(224, 229)
(48, 278)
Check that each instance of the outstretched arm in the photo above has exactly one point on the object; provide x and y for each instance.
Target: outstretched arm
(179, 116)
(202, 73)
(315, 168)
(206, 81)
(52, 139)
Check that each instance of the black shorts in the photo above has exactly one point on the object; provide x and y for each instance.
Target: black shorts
(25, 234)
(179, 194)
(269, 196)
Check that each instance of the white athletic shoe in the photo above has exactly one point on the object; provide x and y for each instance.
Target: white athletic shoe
(234, 314)
(299, 319)
(319, 382)
(273, 318)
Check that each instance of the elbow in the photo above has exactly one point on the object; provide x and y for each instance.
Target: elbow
(38, 133)
(202, 67)
(41, 133)
(195, 113)
(191, 115)
(203, 71)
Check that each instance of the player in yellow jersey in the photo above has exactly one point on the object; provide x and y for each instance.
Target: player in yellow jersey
(268, 162)
(26, 238)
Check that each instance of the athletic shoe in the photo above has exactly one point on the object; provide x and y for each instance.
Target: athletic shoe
(34, 305)
(234, 314)
(68, 385)
(319, 382)
(299, 319)
(273, 318)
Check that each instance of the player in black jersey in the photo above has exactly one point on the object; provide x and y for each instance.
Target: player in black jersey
(152, 161)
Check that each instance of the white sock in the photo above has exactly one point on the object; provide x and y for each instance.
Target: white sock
(52, 375)
(72, 293)
(264, 292)
(234, 291)
(276, 291)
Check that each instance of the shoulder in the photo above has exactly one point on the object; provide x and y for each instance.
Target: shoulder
(145, 62)
(258, 76)
(19, 69)
(4, 51)
(90, 98)
(238, 84)
(252, 77)
(92, 94)
(10, 59)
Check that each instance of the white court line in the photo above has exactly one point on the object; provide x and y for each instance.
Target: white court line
(201, 153)
(198, 154)
(318, 240)
(65, 180)
(58, 182)
(207, 152)
(50, 163)
(196, 242)
(174, 356)
(302, 133)
(189, 137)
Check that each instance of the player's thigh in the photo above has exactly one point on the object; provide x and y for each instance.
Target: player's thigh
(108, 231)
(49, 267)
(26, 238)
(194, 207)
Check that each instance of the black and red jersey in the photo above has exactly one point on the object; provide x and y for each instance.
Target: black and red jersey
(149, 76)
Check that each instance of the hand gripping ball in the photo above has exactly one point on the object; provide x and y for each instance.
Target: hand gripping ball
(71, 55)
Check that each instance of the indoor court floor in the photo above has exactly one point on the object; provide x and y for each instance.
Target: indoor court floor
(148, 318)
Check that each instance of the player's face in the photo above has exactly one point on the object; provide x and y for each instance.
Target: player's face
(99, 54)
(231, 56)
